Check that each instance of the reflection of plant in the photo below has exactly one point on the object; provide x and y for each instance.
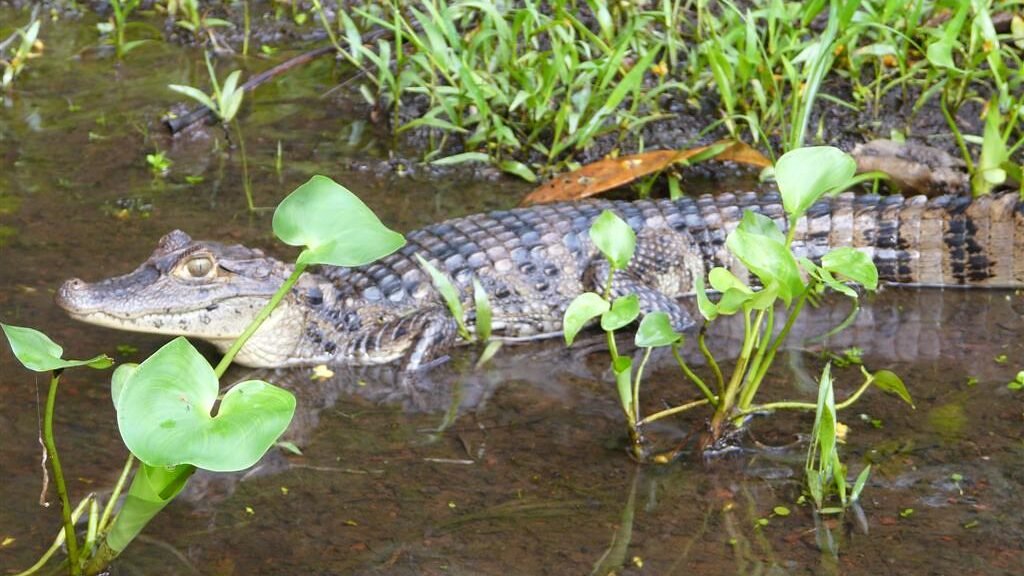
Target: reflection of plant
(28, 47)
(165, 404)
(803, 176)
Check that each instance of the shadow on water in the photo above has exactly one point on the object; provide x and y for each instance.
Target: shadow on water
(518, 468)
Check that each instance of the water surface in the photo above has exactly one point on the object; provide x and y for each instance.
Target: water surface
(517, 468)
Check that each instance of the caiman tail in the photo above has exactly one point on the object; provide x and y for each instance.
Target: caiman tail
(941, 241)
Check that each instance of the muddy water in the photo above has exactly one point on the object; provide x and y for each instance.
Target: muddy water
(518, 468)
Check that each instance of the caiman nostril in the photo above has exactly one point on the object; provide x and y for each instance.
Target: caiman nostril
(70, 292)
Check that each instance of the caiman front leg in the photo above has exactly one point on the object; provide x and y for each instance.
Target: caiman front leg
(417, 339)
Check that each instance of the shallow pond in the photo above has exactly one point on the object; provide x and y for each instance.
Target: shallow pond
(516, 468)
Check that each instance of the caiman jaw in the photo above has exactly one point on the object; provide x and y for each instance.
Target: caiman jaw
(201, 290)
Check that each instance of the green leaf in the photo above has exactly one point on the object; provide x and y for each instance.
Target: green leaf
(581, 310)
(483, 311)
(230, 83)
(989, 172)
(893, 384)
(764, 298)
(826, 278)
(761, 225)
(334, 225)
(195, 94)
(164, 413)
(769, 260)
(623, 311)
(614, 238)
(805, 175)
(853, 264)
(655, 330)
(460, 158)
(940, 54)
(448, 292)
(858, 485)
(707, 308)
(518, 169)
(38, 353)
(118, 379)
(490, 350)
(722, 279)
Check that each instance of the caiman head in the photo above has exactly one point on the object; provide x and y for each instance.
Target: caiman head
(203, 290)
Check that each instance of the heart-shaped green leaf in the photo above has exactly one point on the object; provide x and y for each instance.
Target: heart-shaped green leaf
(624, 310)
(333, 224)
(722, 279)
(826, 278)
(769, 259)
(614, 238)
(581, 310)
(118, 379)
(805, 175)
(38, 353)
(707, 308)
(655, 330)
(852, 264)
(164, 413)
(732, 301)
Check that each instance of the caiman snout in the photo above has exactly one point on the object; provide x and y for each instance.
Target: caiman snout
(67, 293)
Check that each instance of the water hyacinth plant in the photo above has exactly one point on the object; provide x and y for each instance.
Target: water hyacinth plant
(786, 283)
(170, 412)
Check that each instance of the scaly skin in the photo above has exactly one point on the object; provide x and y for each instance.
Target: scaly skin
(532, 262)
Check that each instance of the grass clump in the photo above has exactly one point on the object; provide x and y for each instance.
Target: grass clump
(529, 86)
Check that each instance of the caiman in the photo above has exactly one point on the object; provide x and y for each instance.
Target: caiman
(531, 262)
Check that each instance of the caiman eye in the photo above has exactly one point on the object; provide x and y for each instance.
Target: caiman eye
(199, 267)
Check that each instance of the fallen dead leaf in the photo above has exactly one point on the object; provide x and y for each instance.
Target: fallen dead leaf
(611, 173)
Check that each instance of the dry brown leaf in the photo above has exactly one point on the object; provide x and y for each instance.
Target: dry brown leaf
(611, 173)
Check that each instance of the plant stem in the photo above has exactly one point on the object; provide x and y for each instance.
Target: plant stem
(956, 134)
(222, 366)
(673, 410)
(712, 399)
(703, 345)
(248, 27)
(75, 515)
(115, 494)
(770, 356)
(246, 184)
(612, 346)
(755, 373)
(636, 385)
(785, 405)
(58, 476)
